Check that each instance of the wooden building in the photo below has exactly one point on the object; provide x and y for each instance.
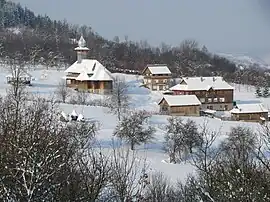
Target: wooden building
(88, 74)
(213, 92)
(249, 112)
(157, 77)
(180, 105)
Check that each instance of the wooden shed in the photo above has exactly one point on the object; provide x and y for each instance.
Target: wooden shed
(255, 112)
(180, 105)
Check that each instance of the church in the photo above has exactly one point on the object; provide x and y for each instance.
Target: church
(88, 74)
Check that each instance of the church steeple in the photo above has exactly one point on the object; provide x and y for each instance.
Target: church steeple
(81, 50)
(81, 42)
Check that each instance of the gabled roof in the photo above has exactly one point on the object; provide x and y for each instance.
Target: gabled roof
(249, 108)
(158, 69)
(90, 67)
(180, 100)
(202, 83)
(83, 77)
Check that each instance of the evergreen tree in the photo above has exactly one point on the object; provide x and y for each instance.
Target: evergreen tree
(266, 91)
(258, 91)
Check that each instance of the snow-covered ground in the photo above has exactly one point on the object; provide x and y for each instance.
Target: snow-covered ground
(141, 99)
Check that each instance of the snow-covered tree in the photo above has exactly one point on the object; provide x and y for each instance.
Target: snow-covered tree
(134, 129)
(125, 175)
(62, 91)
(119, 100)
(258, 91)
(160, 189)
(265, 92)
(37, 151)
(180, 138)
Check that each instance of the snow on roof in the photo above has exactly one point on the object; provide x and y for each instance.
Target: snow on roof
(249, 108)
(101, 74)
(81, 48)
(209, 111)
(81, 42)
(64, 114)
(83, 77)
(181, 100)
(202, 83)
(158, 69)
(73, 113)
(90, 67)
(179, 87)
(80, 117)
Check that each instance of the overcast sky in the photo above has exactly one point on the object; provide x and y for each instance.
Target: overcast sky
(229, 26)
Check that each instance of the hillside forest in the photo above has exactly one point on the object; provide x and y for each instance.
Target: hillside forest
(42, 40)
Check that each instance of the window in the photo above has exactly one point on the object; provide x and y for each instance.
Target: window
(209, 99)
(165, 81)
(202, 100)
(215, 100)
(145, 80)
(220, 106)
(157, 81)
(68, 82)
(149, 80)
(222, 99)
(226, 107)
(154, 87)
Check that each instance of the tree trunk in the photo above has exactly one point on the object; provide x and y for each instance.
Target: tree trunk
(132, 145)
(172, 158)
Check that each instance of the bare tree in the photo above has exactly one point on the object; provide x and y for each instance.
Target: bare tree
(125, 175)
(119, 99)
(160, 189)
(89, 178)
(62, 91)
(189, 44)
(206, 154)
(82, 97)
(263, 147)
(16, 68)
(134, 130)
(240, 145)
(37, 153)
(34, 154)
(180, 138)
(34, 54)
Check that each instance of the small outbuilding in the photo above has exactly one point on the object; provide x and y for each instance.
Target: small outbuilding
(180, 105)
(254, 112)
(24, 78)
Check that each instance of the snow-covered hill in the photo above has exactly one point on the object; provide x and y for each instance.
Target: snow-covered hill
(243, 61)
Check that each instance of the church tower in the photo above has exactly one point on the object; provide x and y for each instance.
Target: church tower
(81, 50)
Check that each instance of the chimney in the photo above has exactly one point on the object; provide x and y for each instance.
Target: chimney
(202, 79)
(214, 79)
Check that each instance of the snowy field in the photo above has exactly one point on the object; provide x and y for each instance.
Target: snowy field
(141, 99)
